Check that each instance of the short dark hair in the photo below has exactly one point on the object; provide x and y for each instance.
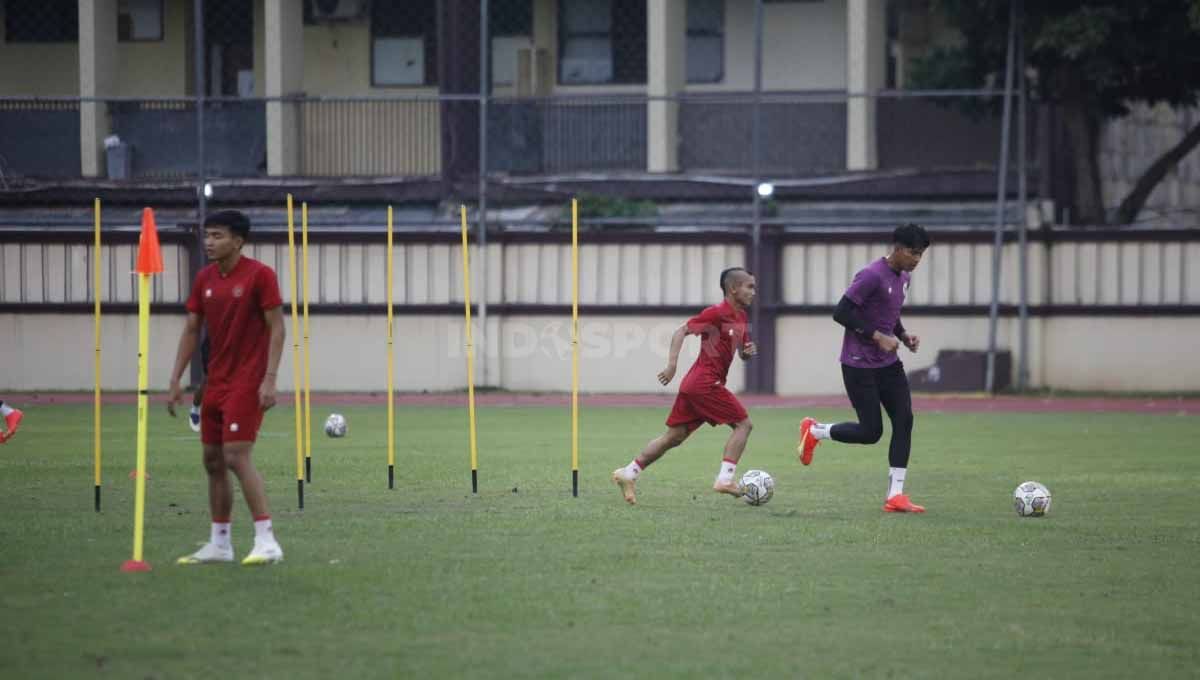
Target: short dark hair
(911, 235)
(233, 220)
(725, 275)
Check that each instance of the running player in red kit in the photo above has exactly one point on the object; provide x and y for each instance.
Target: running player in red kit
(237, 300)
(703, 397)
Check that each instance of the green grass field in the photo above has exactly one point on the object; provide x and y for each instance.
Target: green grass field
(526, 581)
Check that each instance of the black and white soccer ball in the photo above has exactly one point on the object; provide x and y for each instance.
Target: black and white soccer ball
(757, 487)
(1031, 499)
(335, 425)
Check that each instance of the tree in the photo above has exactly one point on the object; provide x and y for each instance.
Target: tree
(1093, 59)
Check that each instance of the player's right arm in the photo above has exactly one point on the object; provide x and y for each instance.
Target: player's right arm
(847, 314)
(667, 374)
(188, 341)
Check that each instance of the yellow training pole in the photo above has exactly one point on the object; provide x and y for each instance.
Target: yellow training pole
(96, 314)
(307, 363)
(575, 347)
(466, 257)
(391, 398)
(149, 261)
(291, 220)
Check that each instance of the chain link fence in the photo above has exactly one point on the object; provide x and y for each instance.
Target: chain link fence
(380, 88)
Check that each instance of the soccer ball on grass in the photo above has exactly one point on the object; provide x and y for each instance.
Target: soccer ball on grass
(1031, 499)
(335, 425)
(757, 487)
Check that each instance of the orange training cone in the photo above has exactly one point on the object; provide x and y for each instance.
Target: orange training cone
(149, 258)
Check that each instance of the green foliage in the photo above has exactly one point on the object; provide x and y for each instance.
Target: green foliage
(525, 581)
(1105, 53)
(602, 205)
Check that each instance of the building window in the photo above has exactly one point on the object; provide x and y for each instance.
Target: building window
(140, 20)
(510, 29)
(705, 41)
(404, 43)
(601, 42)
(41, 21)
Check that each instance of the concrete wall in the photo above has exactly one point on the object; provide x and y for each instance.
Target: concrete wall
(618, 354)
(145, 69)
(805, 48)
(622, 353)
(38, 69)
(159, 68)
(1131, 144)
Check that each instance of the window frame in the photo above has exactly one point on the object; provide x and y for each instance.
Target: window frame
(610, 35)
(162, 26)
(719, 33)
(429, 45)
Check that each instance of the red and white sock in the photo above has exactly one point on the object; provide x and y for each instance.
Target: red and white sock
(262, 528)
(632, 470)
(220, 532)
(728, 467)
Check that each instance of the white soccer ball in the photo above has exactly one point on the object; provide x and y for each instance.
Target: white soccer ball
(335, 425)
(757, 487)
(1031, 499)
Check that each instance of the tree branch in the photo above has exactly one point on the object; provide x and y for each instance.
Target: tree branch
(1133, 203)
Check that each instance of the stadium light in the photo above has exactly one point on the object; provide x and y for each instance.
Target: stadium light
(765, 189)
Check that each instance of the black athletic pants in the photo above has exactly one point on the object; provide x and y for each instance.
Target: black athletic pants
(867, 389)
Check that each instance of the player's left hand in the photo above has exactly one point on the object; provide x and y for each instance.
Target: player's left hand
(266, 395)
(174, 396)
(911, 341)
(749, 350)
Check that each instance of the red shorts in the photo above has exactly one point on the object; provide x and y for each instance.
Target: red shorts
(230, 415)
(716, 406)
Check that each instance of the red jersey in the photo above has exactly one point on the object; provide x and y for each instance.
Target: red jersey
(233, 307)
(722, 330)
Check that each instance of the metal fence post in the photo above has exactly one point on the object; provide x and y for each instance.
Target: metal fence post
(754, 375)
(1022, 235)
(485, 81)
(1001, 200)
(196, 254)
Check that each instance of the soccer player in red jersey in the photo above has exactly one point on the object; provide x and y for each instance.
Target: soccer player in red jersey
(237, 300)
(703, 397)
(871, 369)
(12, 420)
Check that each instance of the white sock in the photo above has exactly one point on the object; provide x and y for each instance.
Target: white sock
(262, 530)
(896, 481)
(220, 535)
(195, 410)
(728, 467)
(5, 409)
(632, 470)
(820, 430)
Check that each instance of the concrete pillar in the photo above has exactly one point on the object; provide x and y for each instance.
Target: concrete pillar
(666, 64)
(545, 45)
(284, 25)
(866, 65)
(97, 78)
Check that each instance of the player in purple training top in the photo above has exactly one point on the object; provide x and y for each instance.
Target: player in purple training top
(871, 369)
